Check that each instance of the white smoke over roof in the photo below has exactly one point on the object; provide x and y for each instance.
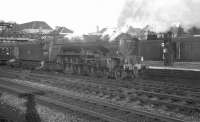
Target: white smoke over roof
(113, 33)
(160, 14)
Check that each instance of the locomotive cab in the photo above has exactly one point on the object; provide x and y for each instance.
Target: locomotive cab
(132, 61)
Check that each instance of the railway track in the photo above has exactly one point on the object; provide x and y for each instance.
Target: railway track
(142, 86)
(101, 110)
(144, 89)
(156, 86)
(172, 102)
(144, 98)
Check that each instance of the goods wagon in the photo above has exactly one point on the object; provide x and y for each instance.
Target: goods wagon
(151, 49)
(31, 54)
(188, 48)
(183, 48)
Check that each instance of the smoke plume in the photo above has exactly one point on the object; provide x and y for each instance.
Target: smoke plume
(160, 14)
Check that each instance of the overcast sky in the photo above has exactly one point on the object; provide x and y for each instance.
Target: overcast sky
(78, 15)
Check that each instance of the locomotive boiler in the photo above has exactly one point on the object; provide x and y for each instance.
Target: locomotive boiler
(103, 60)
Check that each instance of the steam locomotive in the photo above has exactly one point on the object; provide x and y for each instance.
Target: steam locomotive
(87, 64)
(121, 61)
(104, 59)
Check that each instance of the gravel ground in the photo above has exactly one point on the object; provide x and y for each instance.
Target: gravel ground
(13, 101)
(134, 105)
(50, 115)
(47, 114)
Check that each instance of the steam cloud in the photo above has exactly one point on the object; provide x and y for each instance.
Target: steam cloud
(160, 14)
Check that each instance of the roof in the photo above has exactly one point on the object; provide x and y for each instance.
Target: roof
(45, 31)
(188, 38)
(64, 30)
(33, 25)
(14, 39)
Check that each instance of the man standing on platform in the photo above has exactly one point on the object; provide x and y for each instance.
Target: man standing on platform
(168, 50)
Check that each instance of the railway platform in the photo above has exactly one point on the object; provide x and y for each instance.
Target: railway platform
(195, 66)
(189, 71)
